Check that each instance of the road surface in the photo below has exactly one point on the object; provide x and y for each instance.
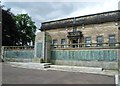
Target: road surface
(14, 75)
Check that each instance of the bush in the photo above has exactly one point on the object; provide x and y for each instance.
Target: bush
(42, 60)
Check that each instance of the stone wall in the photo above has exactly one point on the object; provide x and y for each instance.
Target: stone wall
(105, 58)
(85, 55)
(18, 55)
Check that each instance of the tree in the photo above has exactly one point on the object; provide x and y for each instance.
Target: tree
(9, 31)
(17, 30)
(26, 28)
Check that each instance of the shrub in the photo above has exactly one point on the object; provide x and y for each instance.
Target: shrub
(42, 60)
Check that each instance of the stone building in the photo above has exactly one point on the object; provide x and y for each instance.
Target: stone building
(90, 40)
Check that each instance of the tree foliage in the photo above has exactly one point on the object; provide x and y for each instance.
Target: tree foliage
(17, 30)
(26, 28)
(9, 32)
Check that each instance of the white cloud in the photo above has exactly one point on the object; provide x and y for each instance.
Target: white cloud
(42, 12)
(18, 11)
(100, 7)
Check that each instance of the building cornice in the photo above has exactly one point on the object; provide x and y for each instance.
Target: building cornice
(111, 16)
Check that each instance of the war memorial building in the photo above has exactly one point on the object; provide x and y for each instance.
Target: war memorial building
(90, 40)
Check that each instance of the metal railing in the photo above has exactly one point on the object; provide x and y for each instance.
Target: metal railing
(18, 47)
(86, 45)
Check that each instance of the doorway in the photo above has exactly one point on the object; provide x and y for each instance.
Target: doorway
(75, 43)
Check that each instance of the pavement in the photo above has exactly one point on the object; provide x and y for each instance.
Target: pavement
(18, 75)
(40, 66)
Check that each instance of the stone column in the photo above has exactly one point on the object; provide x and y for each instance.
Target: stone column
(67, 43)
(70, 43)
(78, 42)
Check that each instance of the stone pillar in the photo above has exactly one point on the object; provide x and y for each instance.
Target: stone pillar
(70, 43)
(48, 42)
(39, 46)
(67, 43)
(78, 42)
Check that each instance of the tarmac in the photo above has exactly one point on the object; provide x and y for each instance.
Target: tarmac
(20, 76)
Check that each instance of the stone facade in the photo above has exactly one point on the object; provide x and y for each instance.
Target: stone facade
(90, 40)
(101, 24)
(92, 31)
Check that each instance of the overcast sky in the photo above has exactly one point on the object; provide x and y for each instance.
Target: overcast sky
(47, 11)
